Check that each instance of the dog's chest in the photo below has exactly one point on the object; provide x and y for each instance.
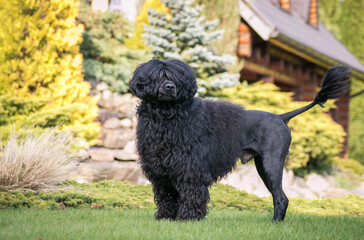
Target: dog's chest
(159, 139)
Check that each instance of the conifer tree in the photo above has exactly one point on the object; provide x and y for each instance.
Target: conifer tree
(184, 34)
(41, 82)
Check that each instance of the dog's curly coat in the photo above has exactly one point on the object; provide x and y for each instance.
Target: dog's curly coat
(186, 143)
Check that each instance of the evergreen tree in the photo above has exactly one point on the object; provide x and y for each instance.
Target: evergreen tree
(184, 34)
(106, 58)
(137, 41)
(41, 82)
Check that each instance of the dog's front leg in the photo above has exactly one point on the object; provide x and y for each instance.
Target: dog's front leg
(166, 199)
(193, 201)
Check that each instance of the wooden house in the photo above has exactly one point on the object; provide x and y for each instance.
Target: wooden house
(283, 42)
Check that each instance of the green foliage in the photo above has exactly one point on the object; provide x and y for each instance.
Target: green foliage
(123, 195)
(41, 81)
(106, 58)
(356, 126)
(226, 11)
(350, 166)
(344, 19)
(316, 138)
(184, 34)
(137, 41)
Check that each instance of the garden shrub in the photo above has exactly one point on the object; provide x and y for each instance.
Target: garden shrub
(316, 138)
(35, 161)
(106, 58)
(41, 82)
(348, 165)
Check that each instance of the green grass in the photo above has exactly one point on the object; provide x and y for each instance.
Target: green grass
(139, 224)
(119, 210)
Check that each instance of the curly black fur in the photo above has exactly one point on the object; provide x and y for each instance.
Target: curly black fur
(186, 144)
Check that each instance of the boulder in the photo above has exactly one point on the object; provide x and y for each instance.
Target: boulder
(126, 123)
(317, 183)
(118, 171)
(335, 193)
(128, 105)
(106, 100)
(82, 155)
(102, 86)
(117, 138)
(101, 154)
(112, 123)
(359, 190)
(105, 114)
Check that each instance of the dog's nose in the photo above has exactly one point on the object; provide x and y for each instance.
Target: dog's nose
(169, 87)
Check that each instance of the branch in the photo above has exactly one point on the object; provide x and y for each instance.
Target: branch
(357, 94)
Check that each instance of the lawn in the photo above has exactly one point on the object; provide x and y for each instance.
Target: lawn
(139, 224)
(119, 210)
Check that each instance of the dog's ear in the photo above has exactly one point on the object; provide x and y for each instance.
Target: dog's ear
(136, 85)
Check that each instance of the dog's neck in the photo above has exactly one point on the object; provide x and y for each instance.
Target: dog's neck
(163, 110)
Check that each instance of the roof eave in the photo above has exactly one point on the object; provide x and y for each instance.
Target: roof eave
(309, 54)
(255, 20)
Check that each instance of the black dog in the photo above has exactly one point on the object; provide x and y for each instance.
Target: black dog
(186, 144)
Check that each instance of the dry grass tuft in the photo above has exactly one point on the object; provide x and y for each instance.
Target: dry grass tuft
(35, 161)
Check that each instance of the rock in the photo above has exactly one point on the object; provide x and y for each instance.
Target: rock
(317, 183)
(247, 179)
(125, 156)
(130, 147)
(126, 123)
(359, 190)
(305, 193)
(105, 114)
(102, 86)
(335, 193)
(101, 155)
(290, 193)
(118, 171)
(300, 182)
(106, 100)
(128, 105)
(116, 138)
(288, 178)
(83, 155)
(262, 192)
(112, 123)
(118, 100)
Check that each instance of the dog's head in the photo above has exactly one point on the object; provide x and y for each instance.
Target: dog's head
(163, 81)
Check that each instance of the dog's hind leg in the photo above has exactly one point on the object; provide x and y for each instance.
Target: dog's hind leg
(270, 168)
(260, 169)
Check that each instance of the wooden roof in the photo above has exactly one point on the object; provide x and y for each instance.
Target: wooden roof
(291, 32)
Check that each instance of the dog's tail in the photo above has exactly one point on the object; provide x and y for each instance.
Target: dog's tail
(335, 84)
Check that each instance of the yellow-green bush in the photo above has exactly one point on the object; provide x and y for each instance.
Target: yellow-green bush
(316, 138)
(41, 82)
(350, 166)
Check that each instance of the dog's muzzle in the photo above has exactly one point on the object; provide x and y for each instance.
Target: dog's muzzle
(168, 91)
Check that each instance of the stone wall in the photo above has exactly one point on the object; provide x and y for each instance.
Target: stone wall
(114, 157)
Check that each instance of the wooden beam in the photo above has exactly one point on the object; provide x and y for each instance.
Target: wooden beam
(279, 77)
